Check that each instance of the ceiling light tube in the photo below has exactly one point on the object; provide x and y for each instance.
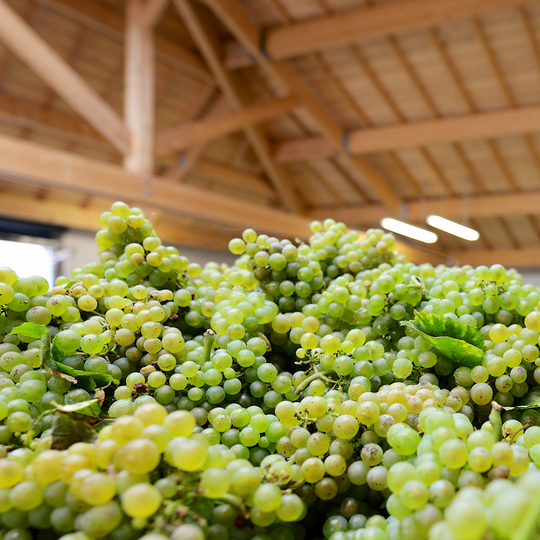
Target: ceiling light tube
(405, 229)
(451, 227)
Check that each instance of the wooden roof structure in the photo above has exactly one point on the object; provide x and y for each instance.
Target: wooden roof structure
(216, 115)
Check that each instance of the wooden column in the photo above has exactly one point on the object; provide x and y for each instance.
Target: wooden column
(139, 91)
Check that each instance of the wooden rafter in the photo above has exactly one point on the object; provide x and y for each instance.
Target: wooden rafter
(380, 20)
(139, 90)
(231, 13)
(200, 132)
(205, 38)
(18, 36)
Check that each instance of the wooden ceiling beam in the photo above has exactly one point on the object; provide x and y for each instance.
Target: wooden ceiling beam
(510, 258)
(381, 20)
(40, 165)
(205, 37)
(25, 43)
(203, 131)
(67, 214)
(480, 206)
(36, 164)
(424, 133)
(109, 22)
(234, 17)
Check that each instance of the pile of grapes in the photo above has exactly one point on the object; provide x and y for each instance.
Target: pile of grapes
(328, 389)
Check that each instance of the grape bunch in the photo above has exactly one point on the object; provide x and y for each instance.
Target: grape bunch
(321, 389)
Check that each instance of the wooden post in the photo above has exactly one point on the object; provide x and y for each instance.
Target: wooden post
(139, 91)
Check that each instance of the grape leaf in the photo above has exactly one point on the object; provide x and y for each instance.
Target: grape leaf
(68, 430)
(86, 408)
(30, 329)
(88, 380)
(461, 343)
(75, 423)
(530, 401)
(437, 325)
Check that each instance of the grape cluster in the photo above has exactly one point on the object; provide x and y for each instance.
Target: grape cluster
(295, 394)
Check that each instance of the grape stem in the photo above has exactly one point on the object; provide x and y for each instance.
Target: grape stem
(523, 428)
(317, 375)
(208, 342)
(495, 420)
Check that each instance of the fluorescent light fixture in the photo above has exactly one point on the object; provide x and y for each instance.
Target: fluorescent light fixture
(405, 229)
(451, 227)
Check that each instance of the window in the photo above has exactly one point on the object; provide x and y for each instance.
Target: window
(28, 259)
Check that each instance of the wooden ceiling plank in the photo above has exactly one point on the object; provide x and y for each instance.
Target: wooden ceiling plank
(231, 13)
(336, 81)
(404, 170)
(503, 83)
(203, 131)
(302, 149)
(188, 159)
(328, 184)
(152, 12)
(508, 231)
(27, 114)
(209, 47)
(232, 177)
(494, 64)
(351, 180)
(451, 68)
(503, 165)
(413, 76)
(109, 22)
(139, 87)
(18, 36)
(376, 21)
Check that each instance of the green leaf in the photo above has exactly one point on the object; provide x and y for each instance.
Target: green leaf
(31, 330)
(69, 429)
(75, 423)
(88, 380)
(461, 343)
(437, 325)
(86, 408)
(530, 401)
